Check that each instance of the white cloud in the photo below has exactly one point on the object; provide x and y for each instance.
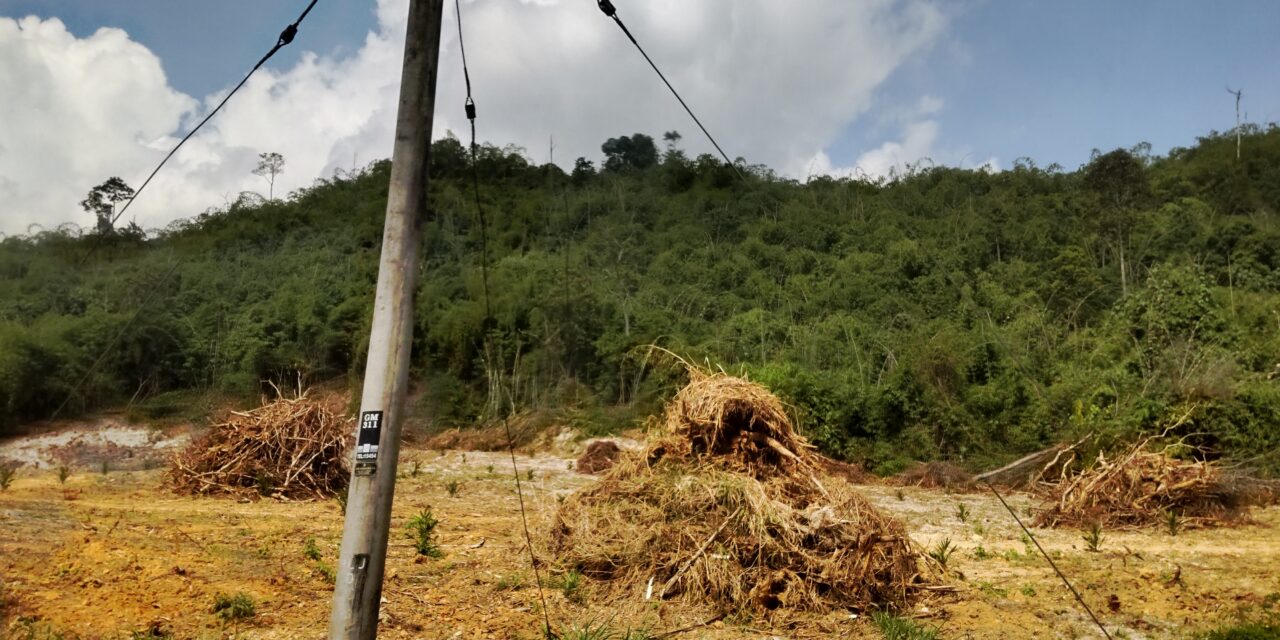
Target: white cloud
(917, 147)
(775, 81)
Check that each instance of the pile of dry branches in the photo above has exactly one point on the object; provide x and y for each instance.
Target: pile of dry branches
(728, 506)
(287, 448)
(935, 475)
(1145, 487)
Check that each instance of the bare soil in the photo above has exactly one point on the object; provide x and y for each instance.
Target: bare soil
(108, 554)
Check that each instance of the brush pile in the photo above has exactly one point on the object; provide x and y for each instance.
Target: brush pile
(1144, 487)
(726, 507)
(935, 475)
(287, 448)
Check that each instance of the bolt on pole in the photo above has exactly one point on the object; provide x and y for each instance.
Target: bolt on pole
(358, 589)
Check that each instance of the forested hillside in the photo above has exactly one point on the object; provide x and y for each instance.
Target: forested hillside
(942, 313)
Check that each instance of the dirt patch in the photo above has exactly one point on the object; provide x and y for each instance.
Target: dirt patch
(129, 552)
(119, 444)
(599, 457)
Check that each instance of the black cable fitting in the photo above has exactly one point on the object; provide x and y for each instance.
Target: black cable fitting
(287, 35)
(470, 106)
(607, 7)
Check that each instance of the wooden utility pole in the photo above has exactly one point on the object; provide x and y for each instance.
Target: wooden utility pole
(358, 588)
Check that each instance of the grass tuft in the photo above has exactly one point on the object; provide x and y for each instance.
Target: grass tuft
(895, 628)
(234, 607)
(942, 551)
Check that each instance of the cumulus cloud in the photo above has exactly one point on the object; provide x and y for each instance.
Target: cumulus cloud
(917, 145)
(775, 81)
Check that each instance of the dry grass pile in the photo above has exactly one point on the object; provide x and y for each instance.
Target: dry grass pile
(287, 448)
(936, 475)
(1146, 487)
(728, 506)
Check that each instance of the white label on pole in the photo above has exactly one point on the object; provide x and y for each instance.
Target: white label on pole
(367, 441)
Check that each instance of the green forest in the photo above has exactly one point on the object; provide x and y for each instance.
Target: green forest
(938, 313)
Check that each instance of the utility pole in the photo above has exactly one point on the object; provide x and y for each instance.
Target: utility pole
(358, 589)
(1237, 93)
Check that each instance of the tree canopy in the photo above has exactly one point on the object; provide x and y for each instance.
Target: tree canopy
(941, 313)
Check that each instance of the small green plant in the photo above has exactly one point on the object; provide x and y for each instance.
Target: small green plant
(962, 512)
(489, 469)
(570, 584)
(1028, 591)
(341, 497)
(64, 472)
(980, 553)
(1093, 538)
(232, 608)
(991, 589)
(106, 467)
(529, 475)
(464, 458)
(263, 484)
(900, 494)
(310, 549)
(6, 476)
(422, 529)
(326, 571)
(980, 529)
(451, 487)
(510, 582)
(895, 628)
(942, 551)
(1246, 630)
(415, 468)
(1172, 522)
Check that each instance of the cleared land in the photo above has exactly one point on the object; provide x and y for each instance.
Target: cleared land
(104, 555)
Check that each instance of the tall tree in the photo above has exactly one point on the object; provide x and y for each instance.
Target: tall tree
(1119, 181)
(635, 152)
(102, 201)
(269, 166)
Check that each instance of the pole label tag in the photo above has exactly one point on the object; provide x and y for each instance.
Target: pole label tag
(367, 442)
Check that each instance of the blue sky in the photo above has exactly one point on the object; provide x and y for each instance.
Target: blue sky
(806, 86)
(1051, 81)
(205, 44)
